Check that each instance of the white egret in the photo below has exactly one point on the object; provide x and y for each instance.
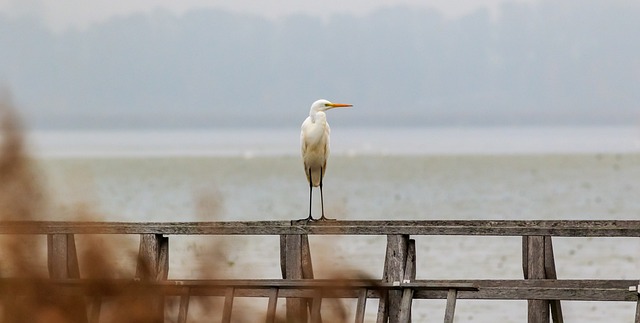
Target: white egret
(314, 139)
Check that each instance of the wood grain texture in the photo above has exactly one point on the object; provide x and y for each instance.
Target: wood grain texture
(153, 266)
(452, 297)
(228, 304)
(579, 290)
(62, 261)
(550, 273)
(395, 263)
(361, 305)
(566, 228)
(409, 275)
(183, 311)
(537, 309)
(272, 305)
(296, 307)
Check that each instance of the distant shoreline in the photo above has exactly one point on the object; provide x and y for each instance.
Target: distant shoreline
(345, 141)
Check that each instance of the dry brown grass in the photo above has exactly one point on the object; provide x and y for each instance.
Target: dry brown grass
(22, 198)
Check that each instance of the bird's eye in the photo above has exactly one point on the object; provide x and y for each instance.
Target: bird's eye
(327, 104)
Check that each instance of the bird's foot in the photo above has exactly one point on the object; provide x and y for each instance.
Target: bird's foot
(323, 218)
(306, 220)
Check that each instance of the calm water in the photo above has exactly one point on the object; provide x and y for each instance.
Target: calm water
(509, 173)
(278, 142)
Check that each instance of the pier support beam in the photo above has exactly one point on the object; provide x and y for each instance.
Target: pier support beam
(550, 273)
(395, 306)
(538, 263)
(62, 256)
(638, 311)
(153, 265)
(295, 263)
(62, 261)
(153, 257)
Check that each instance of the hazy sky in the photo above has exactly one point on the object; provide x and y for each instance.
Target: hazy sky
(62, 14)
(169, 64)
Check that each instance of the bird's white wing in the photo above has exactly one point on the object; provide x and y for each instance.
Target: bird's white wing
(303, 143)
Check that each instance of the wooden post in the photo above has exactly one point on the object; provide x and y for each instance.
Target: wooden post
(271, 307)
(153, 257)
(183, 311)
(525, 256)
(538, 310)
(307, 273)
(291, 254)
(361, 306)
(550, 273)
(452, 296)
(305, 258)
(409, 275)
(228, 305)
(153, 265)
(638, 310)
(96, 306)
(62, 256)
(315, 309)
(395, 262)
(62, 261)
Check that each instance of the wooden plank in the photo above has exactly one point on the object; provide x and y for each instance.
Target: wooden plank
(526, 293)
(567, 228)
(180, 286)
(228, 305)
(452, 296)
(550, 273)
(495, 293)
(271, 308)
(537, 309)
(361, 305)
(575, 290)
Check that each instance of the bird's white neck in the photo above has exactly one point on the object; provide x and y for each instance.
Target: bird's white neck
(317, 115)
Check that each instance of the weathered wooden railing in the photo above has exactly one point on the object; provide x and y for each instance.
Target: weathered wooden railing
(396, 289)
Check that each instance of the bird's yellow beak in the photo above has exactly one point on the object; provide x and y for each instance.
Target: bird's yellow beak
(340, 105)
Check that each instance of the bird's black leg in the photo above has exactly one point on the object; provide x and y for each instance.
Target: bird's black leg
(310, 195)
(321, 197)
(322, 218)
(309, 218)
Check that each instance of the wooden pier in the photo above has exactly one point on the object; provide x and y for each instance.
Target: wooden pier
(395, 290)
